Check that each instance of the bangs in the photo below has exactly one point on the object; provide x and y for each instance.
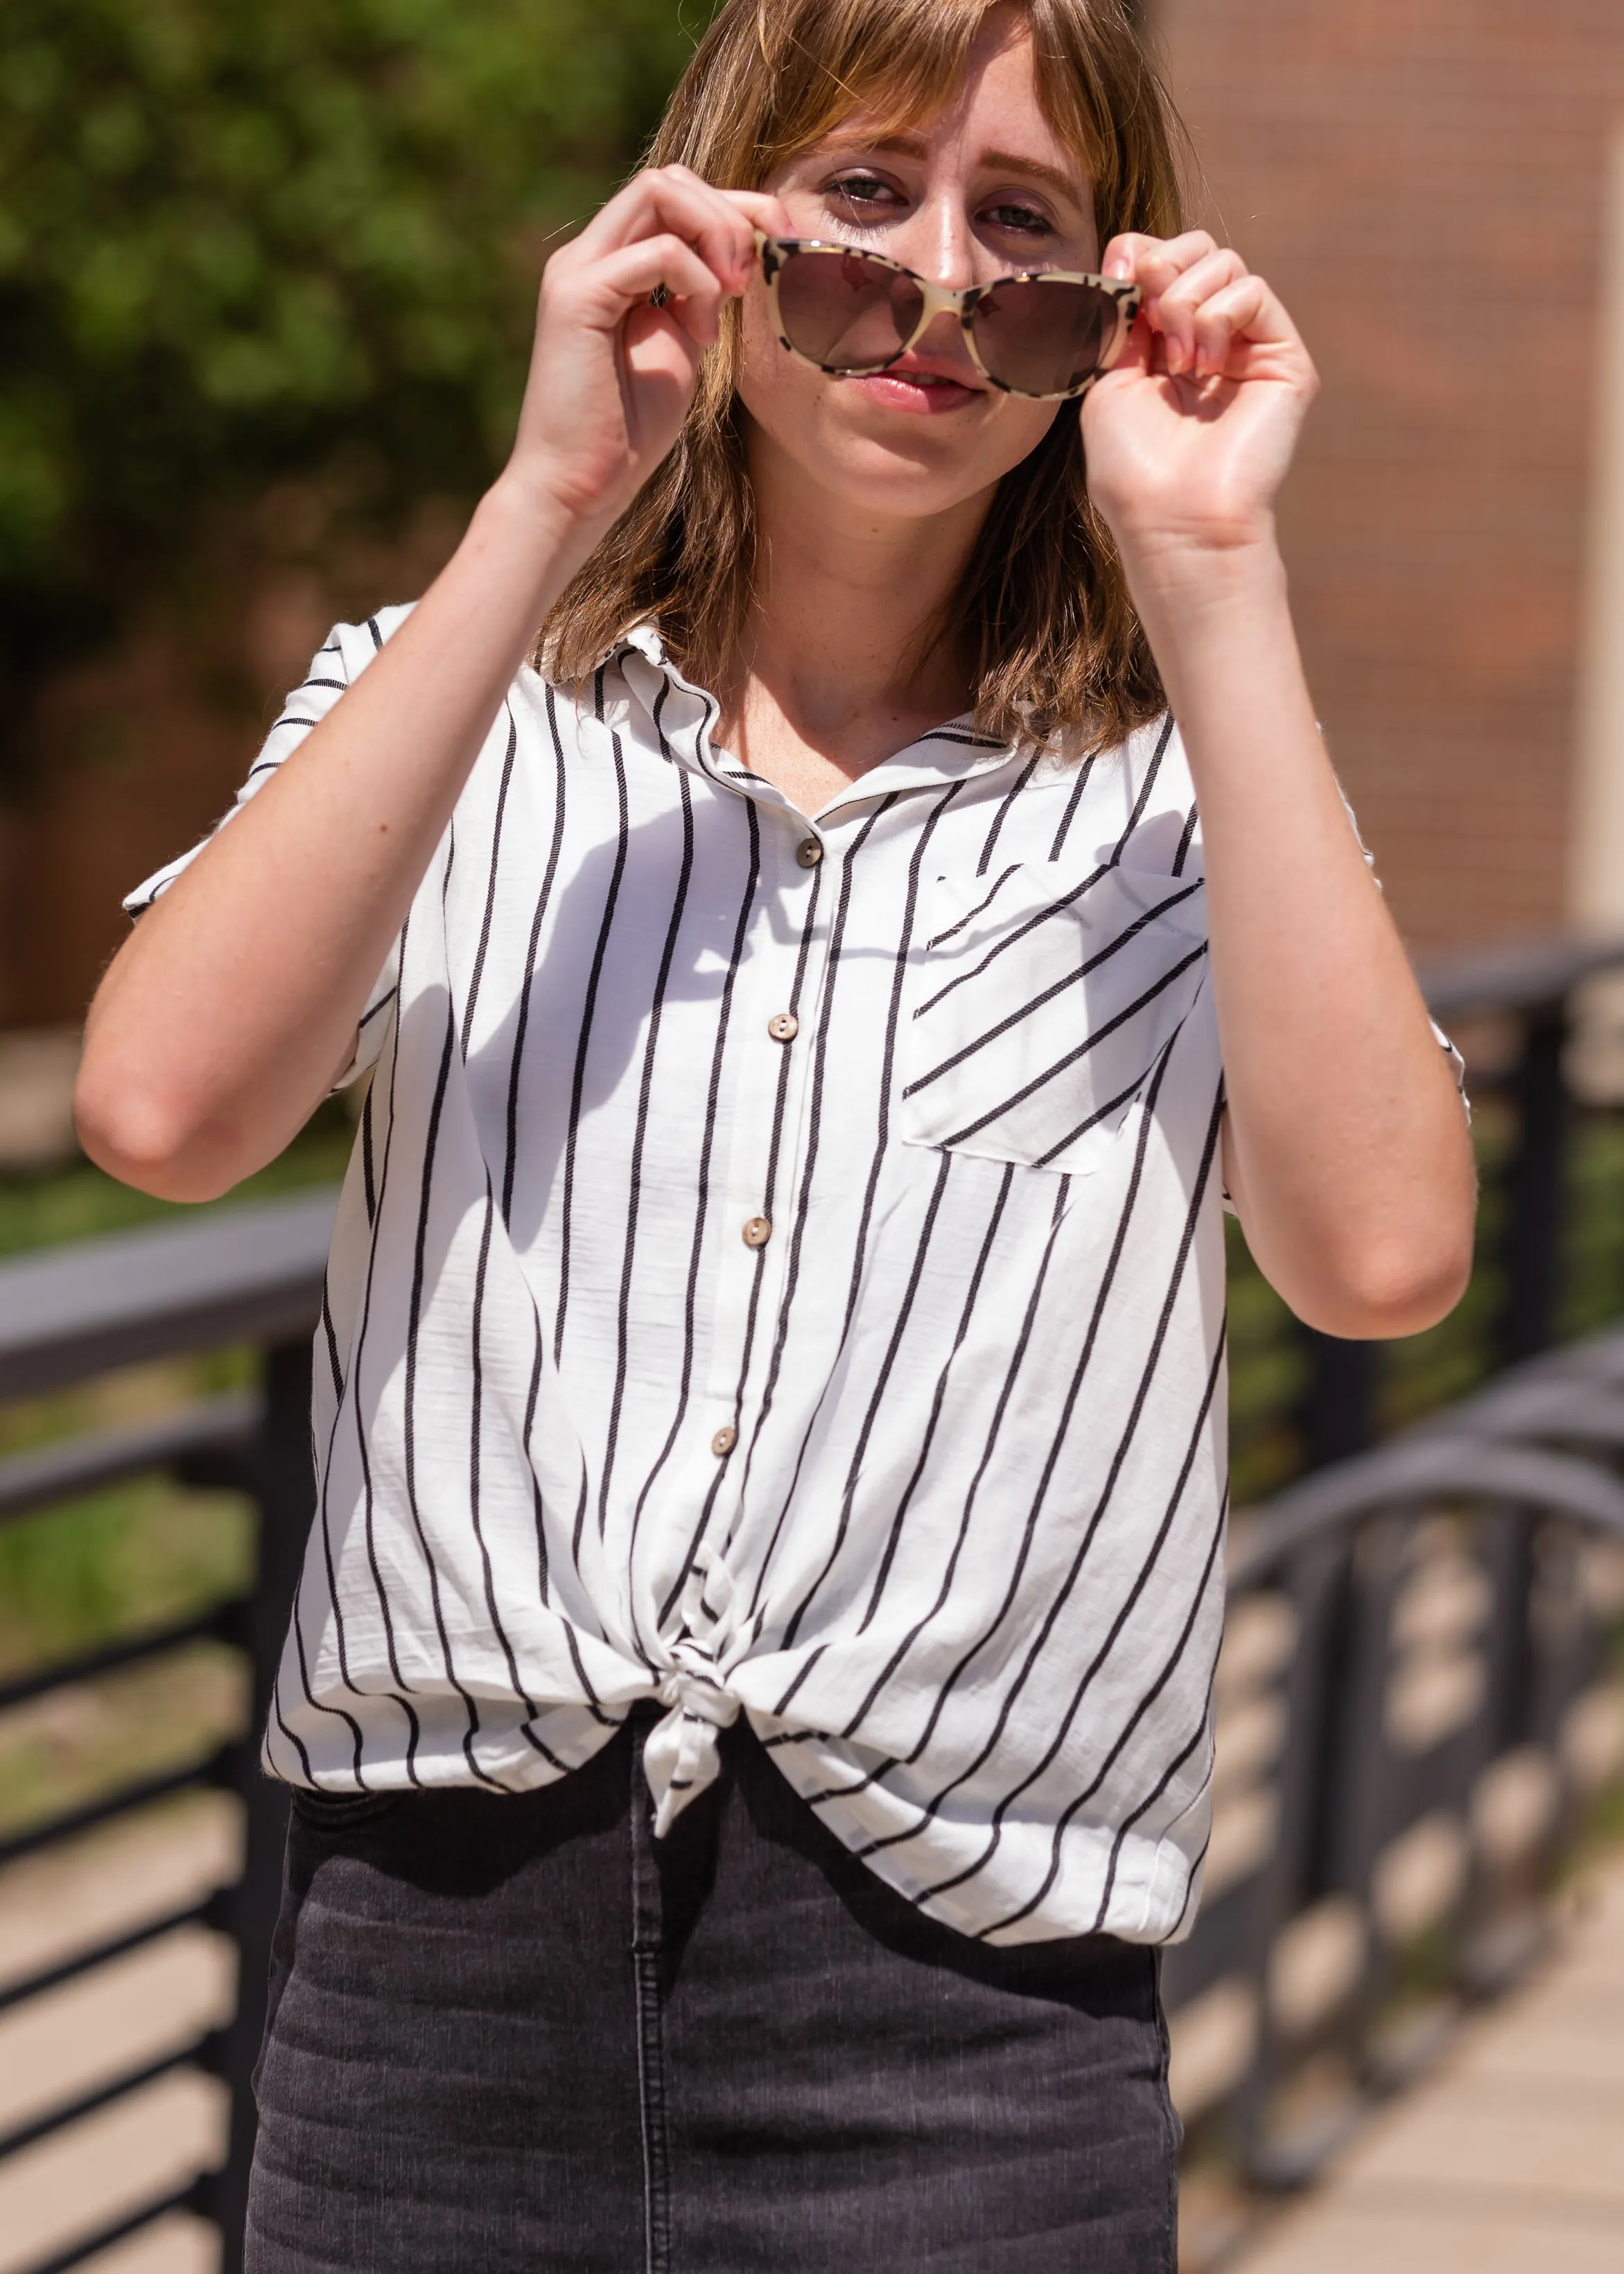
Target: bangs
(795, 70)
(893, 63)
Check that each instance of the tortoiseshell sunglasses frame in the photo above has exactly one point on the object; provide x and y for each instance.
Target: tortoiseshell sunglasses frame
(937, 299)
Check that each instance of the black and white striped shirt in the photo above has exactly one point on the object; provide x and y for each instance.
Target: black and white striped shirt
(781, 1269)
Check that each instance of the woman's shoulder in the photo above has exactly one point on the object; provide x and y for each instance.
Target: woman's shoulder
(1131, 800)
(1149, 761)
(353, 645)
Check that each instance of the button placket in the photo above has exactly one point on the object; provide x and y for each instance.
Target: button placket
(774, 975)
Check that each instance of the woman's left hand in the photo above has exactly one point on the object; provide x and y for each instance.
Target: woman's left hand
(1190, 434)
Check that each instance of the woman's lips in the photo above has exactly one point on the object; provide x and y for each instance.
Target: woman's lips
(924, 393)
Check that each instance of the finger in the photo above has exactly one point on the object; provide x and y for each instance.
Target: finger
(762, 212)
(769, 214)
(669, 200)
(663, 359)
(1136, 356)
(1154, 261)
(692, 292)
(1223, 318)
(1258, 319)
(1173, 311)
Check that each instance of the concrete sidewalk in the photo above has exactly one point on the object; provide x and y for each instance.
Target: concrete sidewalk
(1509, 2159)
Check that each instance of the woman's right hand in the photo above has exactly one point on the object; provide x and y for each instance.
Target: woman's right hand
(611, 375)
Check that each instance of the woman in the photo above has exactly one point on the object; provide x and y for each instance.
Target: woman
(748, 1702)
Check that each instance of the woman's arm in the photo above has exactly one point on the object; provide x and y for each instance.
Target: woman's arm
(1345, 1146)
(226, 1015)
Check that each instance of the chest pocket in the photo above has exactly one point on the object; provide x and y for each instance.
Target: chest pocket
(1044, 1001)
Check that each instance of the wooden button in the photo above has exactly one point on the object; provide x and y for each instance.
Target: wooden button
(808, 853)
(757, 1231)
(724, 1442)
(784, 1028)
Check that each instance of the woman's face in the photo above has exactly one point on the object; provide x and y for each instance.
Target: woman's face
(986, 188)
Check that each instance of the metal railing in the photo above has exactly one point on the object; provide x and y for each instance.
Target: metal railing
(243, 1276)
(1416, 1701)
(1464, 1552)
(1477, 1555)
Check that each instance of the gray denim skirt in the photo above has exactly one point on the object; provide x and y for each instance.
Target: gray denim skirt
(510, 2035)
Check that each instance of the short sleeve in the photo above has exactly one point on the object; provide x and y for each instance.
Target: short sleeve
(335, 666)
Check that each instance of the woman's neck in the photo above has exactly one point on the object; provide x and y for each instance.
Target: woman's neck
(838, 668)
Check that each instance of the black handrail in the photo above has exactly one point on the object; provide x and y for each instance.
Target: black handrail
(1514, 977)
(1434, 1465)
(235, 1276)
(222, 1429)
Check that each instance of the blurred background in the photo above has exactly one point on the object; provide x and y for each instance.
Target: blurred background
(267, 284)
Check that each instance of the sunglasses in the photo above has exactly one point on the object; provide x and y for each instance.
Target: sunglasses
(1045, 332)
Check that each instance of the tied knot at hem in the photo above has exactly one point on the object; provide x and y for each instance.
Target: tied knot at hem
(680, 1757)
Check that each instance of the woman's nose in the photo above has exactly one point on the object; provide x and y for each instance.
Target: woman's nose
(938, 242)
(942, 338)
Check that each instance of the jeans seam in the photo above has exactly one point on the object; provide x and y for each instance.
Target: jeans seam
(650, 2036)
(652, 2081)
(1171, 2123)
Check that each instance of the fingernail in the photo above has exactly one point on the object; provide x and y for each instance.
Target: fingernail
(1173, 347)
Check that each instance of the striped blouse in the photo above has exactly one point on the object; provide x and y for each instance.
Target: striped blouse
(781, 1270)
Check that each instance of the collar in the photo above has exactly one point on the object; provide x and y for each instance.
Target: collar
(683, 717)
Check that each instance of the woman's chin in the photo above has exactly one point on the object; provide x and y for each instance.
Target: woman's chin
(881, 479)
(849, 440)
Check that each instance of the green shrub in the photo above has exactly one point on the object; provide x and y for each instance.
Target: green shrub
(271, 239)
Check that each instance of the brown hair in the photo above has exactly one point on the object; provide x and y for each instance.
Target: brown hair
(1042, 609)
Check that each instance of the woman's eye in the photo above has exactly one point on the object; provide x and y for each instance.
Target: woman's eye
(1019, 220)
(860, 189)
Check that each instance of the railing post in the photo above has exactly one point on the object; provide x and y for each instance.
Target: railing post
(1534, 1190)
(285, 1493)
(1338, 1411)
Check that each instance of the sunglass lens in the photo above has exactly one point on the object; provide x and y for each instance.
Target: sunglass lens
(845, 311)
(1042, 337)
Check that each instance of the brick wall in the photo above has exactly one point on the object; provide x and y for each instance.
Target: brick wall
(139, 752)
(1424, 182)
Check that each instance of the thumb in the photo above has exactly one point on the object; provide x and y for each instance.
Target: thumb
(1138, 355)
(661, 364)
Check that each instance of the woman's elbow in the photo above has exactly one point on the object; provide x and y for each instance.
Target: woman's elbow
(1389, 1287)
(142, 1137)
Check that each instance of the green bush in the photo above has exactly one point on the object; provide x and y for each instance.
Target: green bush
(270, 239)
